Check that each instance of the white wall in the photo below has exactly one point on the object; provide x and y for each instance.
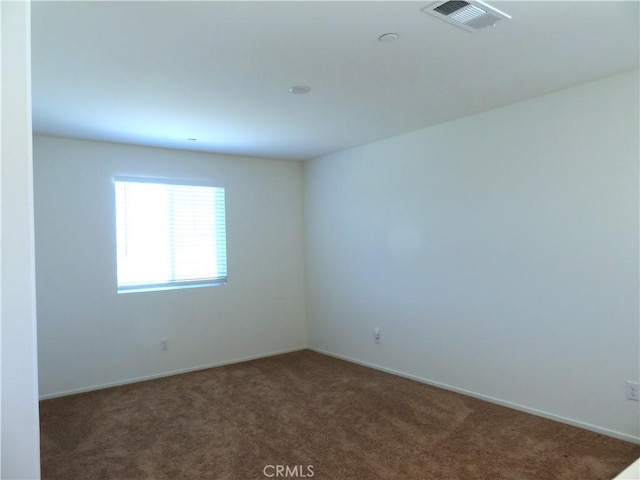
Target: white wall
(20, 452)
(498, 254)
(90, 336)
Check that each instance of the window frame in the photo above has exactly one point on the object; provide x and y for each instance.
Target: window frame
(177, 284)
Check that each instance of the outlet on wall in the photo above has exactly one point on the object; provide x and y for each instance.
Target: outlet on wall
(164, 344)
(633, 391)
(376, 335)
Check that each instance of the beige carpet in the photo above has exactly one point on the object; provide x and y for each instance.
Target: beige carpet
(306, 415)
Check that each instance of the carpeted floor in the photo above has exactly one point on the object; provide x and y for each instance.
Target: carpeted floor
(306, 415)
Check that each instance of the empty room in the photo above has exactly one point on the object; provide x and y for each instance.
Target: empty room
(317, 239)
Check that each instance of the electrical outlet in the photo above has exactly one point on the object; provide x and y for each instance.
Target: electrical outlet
(376, 335)
(164, 344)
(633, 391)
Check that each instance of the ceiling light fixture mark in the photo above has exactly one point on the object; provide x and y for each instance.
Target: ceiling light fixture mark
(299, 89)
(388, 37)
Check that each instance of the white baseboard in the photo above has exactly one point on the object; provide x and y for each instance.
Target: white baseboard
(504, 403)
(167, 374)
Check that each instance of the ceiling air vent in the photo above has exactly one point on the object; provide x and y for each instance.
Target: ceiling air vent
(470, 15)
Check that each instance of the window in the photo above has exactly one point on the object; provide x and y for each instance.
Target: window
(169, 234)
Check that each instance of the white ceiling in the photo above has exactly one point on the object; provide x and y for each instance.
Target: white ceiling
(159, 73)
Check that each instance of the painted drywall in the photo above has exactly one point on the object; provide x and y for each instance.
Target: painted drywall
(498, 254)
(20, 426)
(89, 336)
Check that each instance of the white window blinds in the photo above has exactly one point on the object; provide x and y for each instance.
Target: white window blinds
(169, 234)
